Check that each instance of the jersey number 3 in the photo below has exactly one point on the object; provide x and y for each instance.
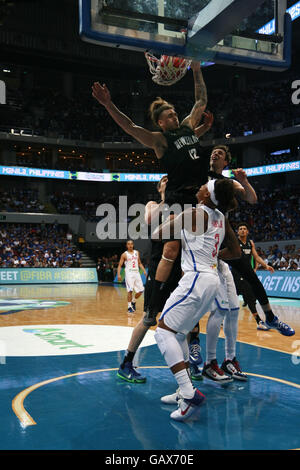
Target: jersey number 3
(215, 251)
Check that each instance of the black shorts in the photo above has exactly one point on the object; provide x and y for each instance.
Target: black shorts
(181, 197)
(169, 285)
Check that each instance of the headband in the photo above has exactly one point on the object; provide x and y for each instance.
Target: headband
(211, 189)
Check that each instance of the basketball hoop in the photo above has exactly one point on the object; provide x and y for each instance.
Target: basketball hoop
(167, 70)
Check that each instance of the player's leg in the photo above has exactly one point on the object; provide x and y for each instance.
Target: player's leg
(272, 321)
(184, 308)
(138, 289)
(251, 302)
(188, 398)
(129, 282)
(126, 370)
(170, 253)
(211, 369)
(230, 364)
(195, 352)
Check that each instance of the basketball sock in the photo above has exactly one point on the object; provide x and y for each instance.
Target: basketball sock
(269, 315)
(212, 333)
(186, 387)
(133, 299)
(129, 304)
(256, 317)
(127, 358)
(230, 329)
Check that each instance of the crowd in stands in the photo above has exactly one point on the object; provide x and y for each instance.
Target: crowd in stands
(287, 259)
(275, 216)
(107, 267)
(37, 246)
(69, 203)
(20, 200)
(50, 113)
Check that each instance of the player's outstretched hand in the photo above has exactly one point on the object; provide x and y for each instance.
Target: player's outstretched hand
(195, 65)
(240, 175)
(208, 119)
(271, 269)
(101, 93)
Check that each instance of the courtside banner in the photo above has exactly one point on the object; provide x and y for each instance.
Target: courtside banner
(281, 283)
(47, 275)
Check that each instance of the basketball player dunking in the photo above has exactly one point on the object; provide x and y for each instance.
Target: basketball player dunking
(133, 280)
(178, 149)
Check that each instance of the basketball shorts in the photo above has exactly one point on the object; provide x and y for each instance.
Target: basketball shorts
(226, 298)
(192, 299)
(134, 282)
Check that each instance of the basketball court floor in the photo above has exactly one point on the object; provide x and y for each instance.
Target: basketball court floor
(60, 350)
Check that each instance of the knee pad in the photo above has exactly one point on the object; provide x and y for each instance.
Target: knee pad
(149, 318)
(169, 346)
(182, 340)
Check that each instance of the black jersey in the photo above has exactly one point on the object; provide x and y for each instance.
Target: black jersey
(246, 249)
(183, 160)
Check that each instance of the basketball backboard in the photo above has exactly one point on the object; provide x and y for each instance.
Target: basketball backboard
(219, 31)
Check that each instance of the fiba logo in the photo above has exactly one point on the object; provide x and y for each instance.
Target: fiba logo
(296, 94)
(2, 92)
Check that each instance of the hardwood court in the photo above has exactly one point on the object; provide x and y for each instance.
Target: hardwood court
(60, 348)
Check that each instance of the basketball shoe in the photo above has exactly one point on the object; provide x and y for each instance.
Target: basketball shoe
(195, 355)
(233, 369)
(213, 372)
(188, 406)
(129, 373)
(283, 328)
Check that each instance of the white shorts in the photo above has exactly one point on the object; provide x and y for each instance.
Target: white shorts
(134, 282)
(191, 300)
(226, 298)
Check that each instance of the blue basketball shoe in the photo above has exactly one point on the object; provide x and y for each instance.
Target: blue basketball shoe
(129, 373)
(195, 354)
(283, 328)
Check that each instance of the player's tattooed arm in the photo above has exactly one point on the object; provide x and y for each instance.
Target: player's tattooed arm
(200, 97)
(154, 140)
(233, 249)
(206, 126)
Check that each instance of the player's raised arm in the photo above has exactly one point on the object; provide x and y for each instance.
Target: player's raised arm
(200, 97)
(152, 208)
(232, 250)
(206, 126)
(193, 220)
(243, 188)
(153, 140)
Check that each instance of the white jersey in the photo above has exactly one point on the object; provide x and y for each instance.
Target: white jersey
(200, 252)
(132, 262)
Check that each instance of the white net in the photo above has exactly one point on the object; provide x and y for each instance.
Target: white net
(167, 70)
